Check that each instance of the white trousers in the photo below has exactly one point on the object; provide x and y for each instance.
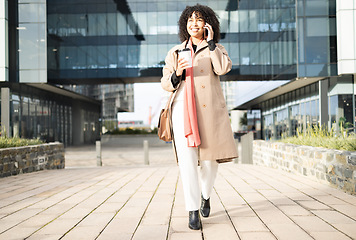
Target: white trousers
(188, 161)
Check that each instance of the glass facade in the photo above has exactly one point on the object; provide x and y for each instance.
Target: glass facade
(291, 112)
(110, 41)
(32, 47)
(296, 110)
(85, 44)
(316, 27)
(48, 116)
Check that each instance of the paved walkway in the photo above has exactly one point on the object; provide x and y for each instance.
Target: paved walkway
(134, 201)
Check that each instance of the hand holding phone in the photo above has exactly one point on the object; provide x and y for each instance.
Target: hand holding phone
(208, 32)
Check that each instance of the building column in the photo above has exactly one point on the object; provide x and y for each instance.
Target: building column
(77, 124)
(274, 130)
(354, 102)
(346, 36)
(4, 63)
(323, 103)
(5, 112)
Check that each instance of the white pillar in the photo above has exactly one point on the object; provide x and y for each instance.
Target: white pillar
(5, 112)
(246, 148)
(346, 36)
(145, 150)
(4, 53)
(98, 154)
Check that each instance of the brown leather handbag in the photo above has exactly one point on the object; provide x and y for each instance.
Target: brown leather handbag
(165, 122)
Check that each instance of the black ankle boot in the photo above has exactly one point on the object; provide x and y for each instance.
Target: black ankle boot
(194, 220)
(205, 207)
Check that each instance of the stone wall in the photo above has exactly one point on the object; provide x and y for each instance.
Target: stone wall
(27, 159)
(337, 168)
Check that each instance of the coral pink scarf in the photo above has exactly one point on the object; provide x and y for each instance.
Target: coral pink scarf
(191, 130)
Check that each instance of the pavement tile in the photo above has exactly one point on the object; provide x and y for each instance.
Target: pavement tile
(288, 231)
(179, 211)
(249, 224)
(145, 232)
(96, 219)
(274, 216)
(125, 225)
(333, 217)
(280, 201)
(179, 224)
(271, 193)
(219, 231)
(294, 210)
(256, 236)
(253, 197)
(314, 192)
(298, 196)
(17, 233)
(5, 225)
(38, 220)
(114, 235)
(240, 211)
(20, 216)
(82, 233)
(312, 224)
(45, 236)
(347, 209)
(196, 235)
(330, 200)
(158, 217)
(216, 218)
(230, 198)
(109, 207)
(313, 205)
(329, 236)
(348, 229)
(58, 226)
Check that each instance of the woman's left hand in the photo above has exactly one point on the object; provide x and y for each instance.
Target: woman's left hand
(210, 32)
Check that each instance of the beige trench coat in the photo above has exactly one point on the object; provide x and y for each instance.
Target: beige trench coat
(217, 142)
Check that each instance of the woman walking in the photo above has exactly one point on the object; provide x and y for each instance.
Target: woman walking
(201, 125)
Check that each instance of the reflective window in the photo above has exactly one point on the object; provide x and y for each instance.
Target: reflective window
(316, 38)
(32, 51)
(133, 37)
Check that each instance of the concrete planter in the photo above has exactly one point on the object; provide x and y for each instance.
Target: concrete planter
(33, 158)
(337, 168)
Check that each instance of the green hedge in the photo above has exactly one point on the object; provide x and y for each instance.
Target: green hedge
(320, 137)
(6, 142)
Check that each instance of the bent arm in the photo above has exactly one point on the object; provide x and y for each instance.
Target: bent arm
(169, 70)
(220, 60)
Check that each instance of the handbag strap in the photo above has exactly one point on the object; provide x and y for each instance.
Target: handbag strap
(171, 96)
(169, 100)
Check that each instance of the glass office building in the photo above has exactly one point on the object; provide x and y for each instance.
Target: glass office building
(323, 92)
(125, 41)
(30, 107)
(52, 43)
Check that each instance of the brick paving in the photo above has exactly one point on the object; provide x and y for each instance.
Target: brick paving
(134, 201)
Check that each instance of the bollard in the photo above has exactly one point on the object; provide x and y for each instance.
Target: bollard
(237, 160)
(246, 148)
(98, 154)
(145, 150)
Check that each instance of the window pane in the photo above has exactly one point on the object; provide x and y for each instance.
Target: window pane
(28, 46)
(316, 7)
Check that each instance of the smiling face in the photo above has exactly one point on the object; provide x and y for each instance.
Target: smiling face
(195, 26)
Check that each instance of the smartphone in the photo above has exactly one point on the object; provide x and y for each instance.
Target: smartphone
(206, 33)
